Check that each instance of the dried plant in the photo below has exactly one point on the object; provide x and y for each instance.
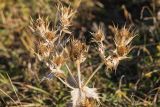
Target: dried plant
(122, 39)
(65, 16)
(78, 51)
(66, 64)
(53, 52)
(83, 95)
(99, 35)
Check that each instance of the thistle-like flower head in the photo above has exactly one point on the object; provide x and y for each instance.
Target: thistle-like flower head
(123, 38)
(65, 17)
(44, 50)
(78, 50)
(58, 60)
(99, 35)
(39, 26)
(50, 36)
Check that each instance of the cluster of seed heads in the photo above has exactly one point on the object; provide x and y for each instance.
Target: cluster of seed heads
(122, 39)
(52, 50)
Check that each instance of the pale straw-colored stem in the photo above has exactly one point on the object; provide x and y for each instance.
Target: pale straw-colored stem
(120, 81)
(65, 83)
(71, 74)
(102, 54)
(95, 71)
(79, 73)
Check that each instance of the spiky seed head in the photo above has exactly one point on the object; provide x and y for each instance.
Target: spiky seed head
(59, 73)
(39, 27)
(78, 50)
(44, 50)
(39, 22)
(50, 35)
(99, 37)
(66, 16)
(99, 34)
(58, 60)
(111, 62)
(90, 103)
(123, 36)
(125, 32)
(123, 50)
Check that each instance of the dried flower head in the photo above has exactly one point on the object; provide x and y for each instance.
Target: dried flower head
(78, 50)
(84, 97)
(47, 38)
(66, 16)
(123, 36)
(111, 62)
(123, 50)
(39, 22)
(44, 50)
(39, 27)
(122, 39)
(50, 36)
(99, 34)
(58, 60)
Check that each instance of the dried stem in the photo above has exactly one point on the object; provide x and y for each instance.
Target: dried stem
(93, 74)
(79, 73)
(71, 73)
(65, 83)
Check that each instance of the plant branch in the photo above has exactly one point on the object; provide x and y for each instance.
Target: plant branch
(71, 74)
(65, 83)
(79, 73)
(93, 74)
